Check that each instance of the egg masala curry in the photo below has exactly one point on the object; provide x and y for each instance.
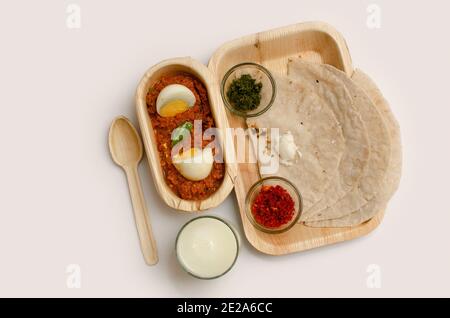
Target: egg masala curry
(173, 104)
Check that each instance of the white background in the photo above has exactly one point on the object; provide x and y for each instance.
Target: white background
(63, 201)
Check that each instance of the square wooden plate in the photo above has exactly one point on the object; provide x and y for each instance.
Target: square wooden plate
(316, 42)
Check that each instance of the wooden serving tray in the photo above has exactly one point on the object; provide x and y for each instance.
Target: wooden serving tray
(200, 71)
(316, 42)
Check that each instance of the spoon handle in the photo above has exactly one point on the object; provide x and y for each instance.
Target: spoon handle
(148, 243)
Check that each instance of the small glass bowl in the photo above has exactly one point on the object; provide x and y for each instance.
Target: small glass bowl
(261, 74)
(236, 237)
(273, 181)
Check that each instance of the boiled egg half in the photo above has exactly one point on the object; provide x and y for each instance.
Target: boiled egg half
(174, 99)
(194, 164)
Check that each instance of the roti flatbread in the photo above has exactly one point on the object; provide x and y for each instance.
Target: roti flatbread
(299, 110)
(357, 151)
(393, 175)
(371, 182)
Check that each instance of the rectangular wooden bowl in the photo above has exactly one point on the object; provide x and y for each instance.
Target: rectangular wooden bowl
(200, 71)
(316, 42)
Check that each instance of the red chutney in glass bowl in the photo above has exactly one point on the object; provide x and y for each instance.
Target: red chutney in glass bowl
(163, 128)
(273, 207)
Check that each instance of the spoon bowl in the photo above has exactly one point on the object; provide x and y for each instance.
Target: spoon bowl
(124, 143)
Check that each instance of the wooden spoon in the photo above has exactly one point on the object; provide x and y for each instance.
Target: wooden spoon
(126, 150)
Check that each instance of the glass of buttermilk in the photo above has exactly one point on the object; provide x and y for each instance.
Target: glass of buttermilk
(207, 247)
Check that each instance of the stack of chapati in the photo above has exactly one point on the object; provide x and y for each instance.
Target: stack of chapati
(348, 161)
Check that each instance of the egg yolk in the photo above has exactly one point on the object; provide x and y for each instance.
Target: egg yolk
(173, 108)
(187, 155)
